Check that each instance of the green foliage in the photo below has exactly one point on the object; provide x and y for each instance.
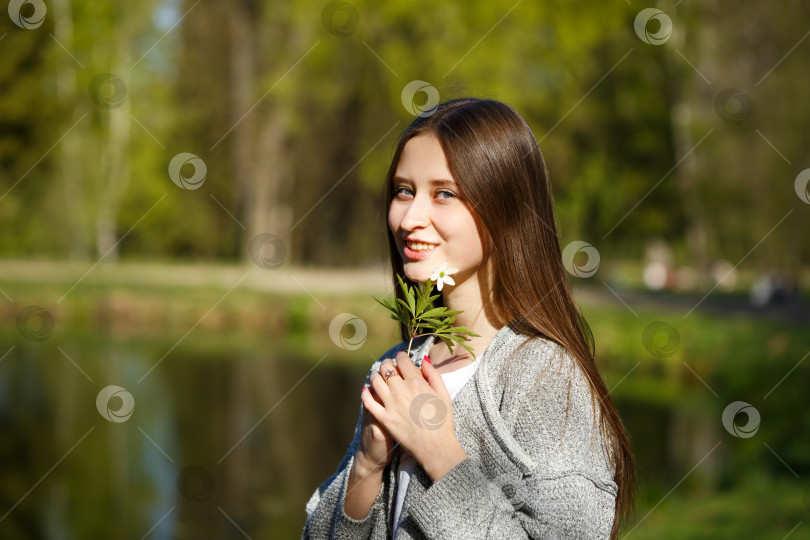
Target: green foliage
(298, 316)
(760, 507)
(608, 109)
(421, 318)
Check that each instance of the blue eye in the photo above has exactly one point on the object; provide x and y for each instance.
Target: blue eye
(399, 189)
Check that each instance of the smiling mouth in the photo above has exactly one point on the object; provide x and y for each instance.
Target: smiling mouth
(420, 247)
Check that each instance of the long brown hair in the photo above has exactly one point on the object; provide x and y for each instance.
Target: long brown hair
(502, 178)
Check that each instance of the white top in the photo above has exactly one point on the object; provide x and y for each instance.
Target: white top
(453, 380)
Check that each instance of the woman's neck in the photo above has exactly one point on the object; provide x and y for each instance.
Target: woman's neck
(465, 296)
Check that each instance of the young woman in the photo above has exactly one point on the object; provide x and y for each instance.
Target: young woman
(522, 441)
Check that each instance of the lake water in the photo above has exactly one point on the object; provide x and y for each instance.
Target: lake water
(203, 445)
(221, 435)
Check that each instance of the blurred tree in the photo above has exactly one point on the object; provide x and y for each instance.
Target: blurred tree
(295, 110)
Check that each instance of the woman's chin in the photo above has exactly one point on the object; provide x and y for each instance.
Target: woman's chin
(417, 271)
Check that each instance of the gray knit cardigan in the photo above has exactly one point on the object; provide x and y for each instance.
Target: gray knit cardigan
(533, 469)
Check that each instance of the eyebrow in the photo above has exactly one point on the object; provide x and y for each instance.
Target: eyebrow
(434, 181)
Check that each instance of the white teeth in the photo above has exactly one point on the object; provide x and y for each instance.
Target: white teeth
(419, 246)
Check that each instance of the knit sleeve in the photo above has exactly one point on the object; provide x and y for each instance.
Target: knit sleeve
(466, 504)
(326, 517)
(570, 493)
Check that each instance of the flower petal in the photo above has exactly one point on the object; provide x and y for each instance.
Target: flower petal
(450, 271)
(443, 265)
(439, 284)
(449, 280)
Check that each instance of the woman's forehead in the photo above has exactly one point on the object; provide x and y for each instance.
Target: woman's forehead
(422, 160)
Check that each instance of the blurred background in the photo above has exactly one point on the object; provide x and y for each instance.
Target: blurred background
(192, 234)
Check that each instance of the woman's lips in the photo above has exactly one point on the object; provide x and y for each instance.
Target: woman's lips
(411, 254)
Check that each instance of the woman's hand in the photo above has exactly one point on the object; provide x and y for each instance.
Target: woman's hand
(376, 445)
(417, 411)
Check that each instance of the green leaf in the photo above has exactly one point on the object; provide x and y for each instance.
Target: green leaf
(400, 319)
(433, 312)
(402, 286)
(412, 303)
(434, 297)
(423, 302)
(461, 330)
(401, 302)
(468, 348)
(447, 341)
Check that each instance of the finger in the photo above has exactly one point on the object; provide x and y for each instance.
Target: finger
(380, 387)
(406, 365)
(368, 388)
(434, 378)
(375, 409)
(386, 365)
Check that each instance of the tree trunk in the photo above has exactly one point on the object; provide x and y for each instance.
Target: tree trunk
(242, 62)
(681, 114)
(118, 170)
(70, 163)
(686, 175)
(264, 215)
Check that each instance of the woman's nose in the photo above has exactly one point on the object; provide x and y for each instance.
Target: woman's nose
(416, 215)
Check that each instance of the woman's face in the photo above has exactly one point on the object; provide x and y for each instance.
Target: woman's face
(425, 207)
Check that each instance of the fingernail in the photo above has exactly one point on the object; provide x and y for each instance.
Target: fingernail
(428, 360)
(362, 390)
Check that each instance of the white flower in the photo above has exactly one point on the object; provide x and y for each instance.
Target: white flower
(441, 275)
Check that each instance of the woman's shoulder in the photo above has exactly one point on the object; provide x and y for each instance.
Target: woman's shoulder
(528, 358)
(552, 394)
(538, 366)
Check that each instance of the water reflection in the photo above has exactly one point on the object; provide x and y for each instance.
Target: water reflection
(216, 442)
(229, 433)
